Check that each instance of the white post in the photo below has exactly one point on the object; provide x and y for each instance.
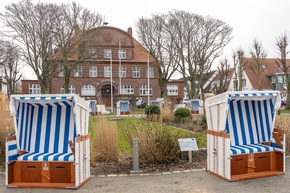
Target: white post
(111, 82)
(148, 78)
(120, 75)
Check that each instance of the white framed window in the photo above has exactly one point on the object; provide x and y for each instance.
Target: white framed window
(122, 54)
(107, 53)
(244, 83)
(78, 71)
(61, 71)
(151, 72)
(93, 71)
(273, 79)
(280, 79)
(127, 89)
(71, 89)
(93, 53)
(172, 90)
(215, 84)
(88, 90)
(122, 71)
(136, 72)
(34, 89)
(107, 71)
(143, 90)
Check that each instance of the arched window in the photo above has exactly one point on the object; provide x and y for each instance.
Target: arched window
(144, 90)
(127, 89)
(88, 90)
(71, 89)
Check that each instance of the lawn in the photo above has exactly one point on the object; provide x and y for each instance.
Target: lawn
(128, 125)
(284, 111)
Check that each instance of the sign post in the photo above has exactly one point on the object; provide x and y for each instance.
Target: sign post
(188, 144)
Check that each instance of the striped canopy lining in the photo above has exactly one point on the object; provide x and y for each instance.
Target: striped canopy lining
(124, 106)
(44, 128)
(194, 105)
(249, 121)
(92, 106)
(155, 103)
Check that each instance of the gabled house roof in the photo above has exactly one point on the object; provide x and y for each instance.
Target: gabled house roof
(270, 67)
(108, 37)
(216, 77)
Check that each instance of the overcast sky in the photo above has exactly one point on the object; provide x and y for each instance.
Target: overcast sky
(260, 19)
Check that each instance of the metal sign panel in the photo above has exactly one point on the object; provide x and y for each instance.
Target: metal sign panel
(188, 144)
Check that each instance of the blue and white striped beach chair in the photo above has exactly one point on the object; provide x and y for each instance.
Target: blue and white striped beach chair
(240, 138)
(49, 129)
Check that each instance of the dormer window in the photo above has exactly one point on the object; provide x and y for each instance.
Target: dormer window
(107, 53)
(93, 53)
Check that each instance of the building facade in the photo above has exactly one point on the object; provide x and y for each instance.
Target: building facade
(113, 57)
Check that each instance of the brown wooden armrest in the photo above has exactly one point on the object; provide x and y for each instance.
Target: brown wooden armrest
(21, 152)
(70, 143)
(267, 143)
(277, 139)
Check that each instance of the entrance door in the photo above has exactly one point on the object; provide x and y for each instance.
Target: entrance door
(106, 94)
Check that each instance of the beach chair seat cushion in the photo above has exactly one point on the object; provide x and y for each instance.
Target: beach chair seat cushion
(46, 157)
(250, 148)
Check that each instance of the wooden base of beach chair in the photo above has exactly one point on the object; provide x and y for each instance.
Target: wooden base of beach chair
(196, 112)
(30, 174)
(256, 165)
(125, 113)
(248, 176)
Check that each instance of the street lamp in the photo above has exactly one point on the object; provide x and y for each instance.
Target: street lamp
(111, 82)
(148, 77)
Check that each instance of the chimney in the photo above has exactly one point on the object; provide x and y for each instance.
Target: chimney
(130, 31)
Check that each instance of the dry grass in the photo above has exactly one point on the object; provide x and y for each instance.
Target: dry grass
(166, 113)
(104, 147)
(283, 122)
(6, 125)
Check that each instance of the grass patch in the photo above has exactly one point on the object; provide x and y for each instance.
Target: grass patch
(128, 124)
(158, 143)
(136, 111)
(284, 111)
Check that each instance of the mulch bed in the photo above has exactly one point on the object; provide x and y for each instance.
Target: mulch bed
(125, 165)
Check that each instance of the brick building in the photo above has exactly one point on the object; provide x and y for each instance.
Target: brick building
(91, 78)
(112, 47)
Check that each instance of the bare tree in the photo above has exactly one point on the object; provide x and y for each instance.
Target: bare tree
(71, 36)
(154, 35)
(258, 56)
(10, 66)
(239, 66)
(282, 44)
(223, 70)
(32, 26)
(40, 27)
(198, 41)
(184, 41)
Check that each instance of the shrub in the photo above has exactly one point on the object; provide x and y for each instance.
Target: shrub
(182, 113)
(157, 143)
(283, 122)
(203, 123)
(6, 126)
(152, 110)
(104, 143)
(166, 113)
